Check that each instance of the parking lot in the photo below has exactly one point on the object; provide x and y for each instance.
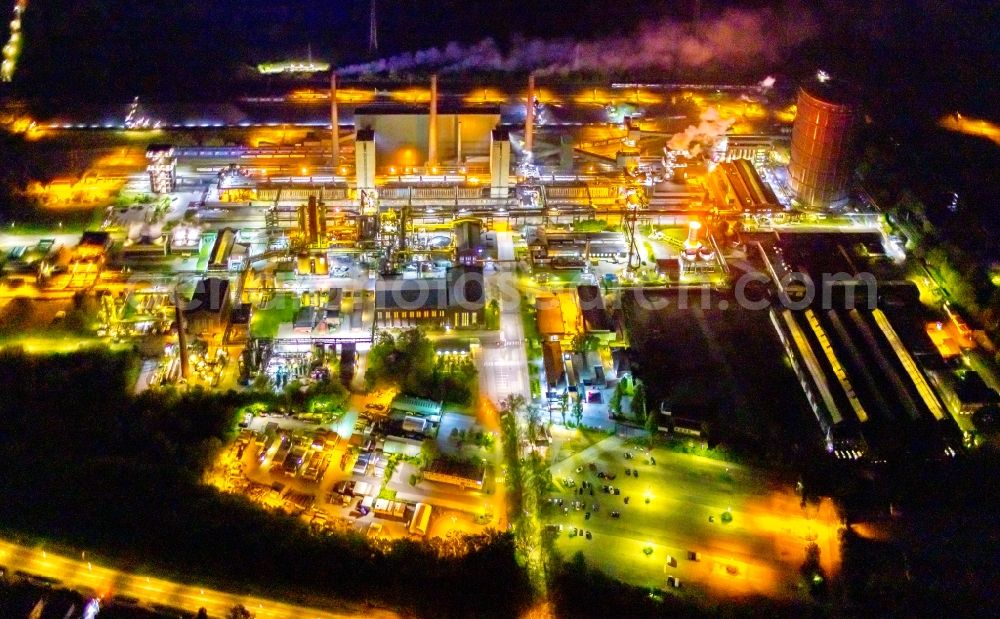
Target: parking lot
(758, 551)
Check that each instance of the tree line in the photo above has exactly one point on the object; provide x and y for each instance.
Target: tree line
(97, 468)
(410, 361)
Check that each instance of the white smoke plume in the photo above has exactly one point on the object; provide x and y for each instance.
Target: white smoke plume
(767, 83)
(734, 38)
(711, 127)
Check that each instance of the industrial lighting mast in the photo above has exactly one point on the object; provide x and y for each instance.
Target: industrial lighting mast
(634, 200)
(633, 255)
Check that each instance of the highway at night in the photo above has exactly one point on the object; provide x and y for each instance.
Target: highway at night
(95, 580)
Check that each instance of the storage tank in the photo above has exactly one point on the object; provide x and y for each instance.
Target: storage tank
(826, 113)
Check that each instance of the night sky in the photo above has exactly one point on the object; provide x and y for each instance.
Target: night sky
(197, 50)
(913, 60)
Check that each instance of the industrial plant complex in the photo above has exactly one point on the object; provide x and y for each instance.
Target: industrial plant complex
(611, 283)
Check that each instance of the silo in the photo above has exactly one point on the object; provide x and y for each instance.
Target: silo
(820, 164)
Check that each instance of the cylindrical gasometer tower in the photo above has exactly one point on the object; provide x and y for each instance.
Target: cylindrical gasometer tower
(827, 110)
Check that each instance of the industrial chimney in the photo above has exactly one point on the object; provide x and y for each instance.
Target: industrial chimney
(529, 121)
(432, 124)
(499, 164)
(364, 159)
(334, 121)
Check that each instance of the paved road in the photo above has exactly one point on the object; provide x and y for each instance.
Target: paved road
(505, 247)
(86, 577)
(503, 368)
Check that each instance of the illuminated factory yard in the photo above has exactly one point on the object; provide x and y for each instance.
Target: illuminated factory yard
(659, 340)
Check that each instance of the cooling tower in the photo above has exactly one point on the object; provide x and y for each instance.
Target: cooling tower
(821, 135)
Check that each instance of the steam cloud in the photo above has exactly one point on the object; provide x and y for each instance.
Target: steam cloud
(711, 127)
(733, 38)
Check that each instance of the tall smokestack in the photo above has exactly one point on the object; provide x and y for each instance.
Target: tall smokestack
(364, 159)
(334, 121)
(432, 124)
(529, 121)
(500, 164)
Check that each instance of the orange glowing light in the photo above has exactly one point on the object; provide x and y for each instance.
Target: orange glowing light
(276, 136)
(408, 157)
(971, 126)
(69, 193)
(943, 340)
(543, 95)
(23, 125)
(594, 96)
(124, 158)
(412, 95)
(485, 95)
(307, 95)
(641, 97)
(354, 95)
(786, 115)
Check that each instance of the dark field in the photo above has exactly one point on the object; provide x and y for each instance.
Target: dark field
(725, 366)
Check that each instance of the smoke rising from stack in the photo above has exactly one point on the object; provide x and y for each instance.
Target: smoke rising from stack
(711, 127)
(736, 37)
